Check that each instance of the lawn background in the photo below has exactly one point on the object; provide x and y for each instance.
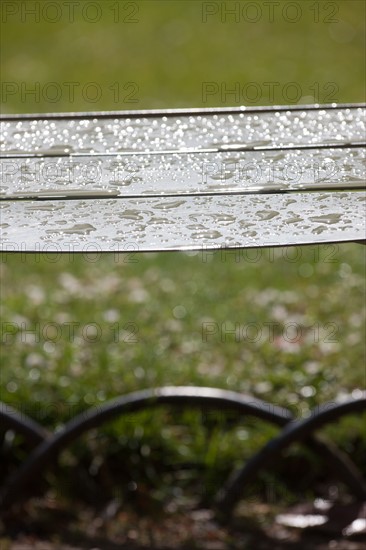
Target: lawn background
(165, 57)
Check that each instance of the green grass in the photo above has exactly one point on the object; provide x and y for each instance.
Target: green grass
(164, 299)
(150, 317)
(169, 53)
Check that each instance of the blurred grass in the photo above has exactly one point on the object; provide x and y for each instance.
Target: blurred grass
(150, 316)
(169, 53)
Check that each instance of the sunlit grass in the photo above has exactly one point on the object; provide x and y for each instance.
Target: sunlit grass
(80, 333)
(77, 332)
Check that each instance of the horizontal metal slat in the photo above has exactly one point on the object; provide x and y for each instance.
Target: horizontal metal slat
(138, 133)
(187, 223)
(185, 174)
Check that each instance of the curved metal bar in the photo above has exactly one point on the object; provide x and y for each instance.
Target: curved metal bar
(341, 464)
(92, 418)
(294, 431)
(11, 419)
(195, 396)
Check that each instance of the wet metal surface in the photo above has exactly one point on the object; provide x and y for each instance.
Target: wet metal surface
(183, 181)
(182, 223)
